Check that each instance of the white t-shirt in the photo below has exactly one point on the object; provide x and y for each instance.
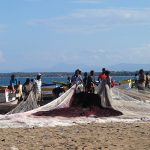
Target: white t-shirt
(38, 84)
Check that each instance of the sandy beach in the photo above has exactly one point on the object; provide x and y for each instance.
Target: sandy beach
(110, 136)
(48, 128)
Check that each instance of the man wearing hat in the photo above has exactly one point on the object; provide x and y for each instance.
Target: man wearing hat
(37, 87)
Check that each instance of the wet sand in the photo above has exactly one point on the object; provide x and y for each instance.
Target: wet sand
(110, 136)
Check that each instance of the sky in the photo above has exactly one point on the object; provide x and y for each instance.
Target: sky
(62, 35)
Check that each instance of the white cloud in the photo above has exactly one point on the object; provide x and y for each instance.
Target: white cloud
(96, 20)
(89, 57)
(138, 55)
(107, 57)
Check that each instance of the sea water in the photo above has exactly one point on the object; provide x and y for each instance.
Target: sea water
(6, 80)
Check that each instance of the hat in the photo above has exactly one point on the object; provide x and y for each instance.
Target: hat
(39, 74)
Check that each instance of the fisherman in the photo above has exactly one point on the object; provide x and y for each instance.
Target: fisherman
(13, 82)
(147, 84)
(19, 90)
(85, 81)
(102, 75)
(57, 91)
(104, 91)
(27, 87)
(108, 78)
(91, 82)
(136, 78)
(37, 87)
(142, 80)
(68, 82)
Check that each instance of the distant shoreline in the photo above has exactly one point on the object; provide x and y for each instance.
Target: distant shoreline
(63, 74)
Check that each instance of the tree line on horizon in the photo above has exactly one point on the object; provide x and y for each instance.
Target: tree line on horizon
(63, 74)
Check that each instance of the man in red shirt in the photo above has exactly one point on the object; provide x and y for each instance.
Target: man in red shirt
(102, 75)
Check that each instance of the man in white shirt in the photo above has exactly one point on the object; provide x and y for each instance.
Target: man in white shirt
(37, 87)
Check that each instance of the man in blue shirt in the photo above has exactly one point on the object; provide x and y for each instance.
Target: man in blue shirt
(13, 81)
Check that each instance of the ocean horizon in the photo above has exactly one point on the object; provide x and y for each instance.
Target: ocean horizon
(6, 80)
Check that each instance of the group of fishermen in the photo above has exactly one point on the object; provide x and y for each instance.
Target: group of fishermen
(142, 80)
(87, 83)
(25, 89)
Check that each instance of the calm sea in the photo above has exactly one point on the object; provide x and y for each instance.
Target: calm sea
(5, 80)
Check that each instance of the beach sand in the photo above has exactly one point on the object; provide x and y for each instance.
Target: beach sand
(108, 136)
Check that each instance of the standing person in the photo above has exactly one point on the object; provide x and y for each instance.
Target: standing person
(77, 77)
(27, 87)
(37, 87)
(136, 78)
(20, 90)
(79, 82)
(68, 82)
(105, 92)
(102, 75)
(142, 80)
(73, 78)
(85, 78)
(147, 80)
(13, 82)
(108, 78)
(91, 82)
(92, 76)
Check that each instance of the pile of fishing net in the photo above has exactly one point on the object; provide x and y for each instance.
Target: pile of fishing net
(29, 103)
(81, 104)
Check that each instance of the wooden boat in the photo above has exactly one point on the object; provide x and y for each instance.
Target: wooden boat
(47, 89)
(127, 84)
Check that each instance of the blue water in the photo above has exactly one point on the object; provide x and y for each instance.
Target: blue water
(5, 80)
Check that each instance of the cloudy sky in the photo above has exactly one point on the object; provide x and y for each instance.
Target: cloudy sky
(47, 35)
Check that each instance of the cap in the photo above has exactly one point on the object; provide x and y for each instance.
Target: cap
(39, 74)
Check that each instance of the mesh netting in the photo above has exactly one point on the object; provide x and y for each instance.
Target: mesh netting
(29, 104)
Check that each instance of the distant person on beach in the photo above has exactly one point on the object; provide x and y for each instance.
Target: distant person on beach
(57, 91)
(38, 87)
(27, 87)
(141, 80)
(13, 82)
(91, 82)
(73, 78)
(108, 78)
(78, 80)
(104, 91)
(85, 78)
(147, 84)
(92, 76)
(69, 82)
(19, 90)
(77, 77)
(102, 75)
(136, 78)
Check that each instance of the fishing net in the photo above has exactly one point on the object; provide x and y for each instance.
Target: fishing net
(29, 103)
(128, 102)
(132, 94)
